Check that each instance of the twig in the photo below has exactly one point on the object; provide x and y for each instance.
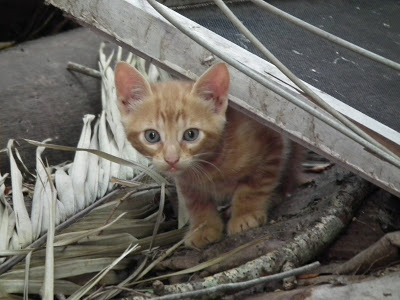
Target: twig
(239, 286)
(125, 183)
(42, 25)
(120, 201)
(4, 45)
(83, 69)
(134, 184)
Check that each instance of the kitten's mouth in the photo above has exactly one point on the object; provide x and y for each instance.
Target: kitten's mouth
(173, 170)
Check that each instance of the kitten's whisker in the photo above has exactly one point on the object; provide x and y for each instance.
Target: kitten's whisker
(200, 174)
(216, 153)
(211, 184)
(197, 174)
(209, 163)
(201, 171)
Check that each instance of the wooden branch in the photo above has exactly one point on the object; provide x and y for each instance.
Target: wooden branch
(136, 26)
(239, 286)
(384, 250)
(191, 3)
(83, 69)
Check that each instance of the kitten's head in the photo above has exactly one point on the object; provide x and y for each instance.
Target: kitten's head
(176, 124)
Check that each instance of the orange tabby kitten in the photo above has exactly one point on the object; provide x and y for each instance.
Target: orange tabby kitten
(213, 152)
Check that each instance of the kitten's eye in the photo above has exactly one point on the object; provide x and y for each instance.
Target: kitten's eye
(152, 136)
(191, 134)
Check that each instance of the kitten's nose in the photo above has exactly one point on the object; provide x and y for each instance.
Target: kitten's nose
(171, 160)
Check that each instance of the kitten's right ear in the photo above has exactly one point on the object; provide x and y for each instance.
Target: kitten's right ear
(131, 87)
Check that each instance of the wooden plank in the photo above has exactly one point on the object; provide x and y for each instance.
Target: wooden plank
(136, 26)
(191, 3)
(180, 3)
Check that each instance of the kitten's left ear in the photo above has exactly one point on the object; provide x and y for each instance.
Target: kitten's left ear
(213, 85)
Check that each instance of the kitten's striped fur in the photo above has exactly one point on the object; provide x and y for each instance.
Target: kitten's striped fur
(233, 157)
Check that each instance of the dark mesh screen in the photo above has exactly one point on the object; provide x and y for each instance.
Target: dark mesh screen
(373, 24)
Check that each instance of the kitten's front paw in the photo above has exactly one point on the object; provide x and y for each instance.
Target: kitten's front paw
(246, 221)
(205, 235)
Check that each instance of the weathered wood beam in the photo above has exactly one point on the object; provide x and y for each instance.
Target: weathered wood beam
(134, 24)
(183, 3)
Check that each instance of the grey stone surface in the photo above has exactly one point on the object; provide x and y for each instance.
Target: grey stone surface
(41, 99)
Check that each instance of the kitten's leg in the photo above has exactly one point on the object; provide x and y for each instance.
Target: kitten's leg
(250, 203)
(206, 225)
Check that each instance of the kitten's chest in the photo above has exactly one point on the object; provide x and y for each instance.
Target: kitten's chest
(223, 190)
(218, 188)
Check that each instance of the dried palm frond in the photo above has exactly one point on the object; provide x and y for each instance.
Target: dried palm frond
(107, 238)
